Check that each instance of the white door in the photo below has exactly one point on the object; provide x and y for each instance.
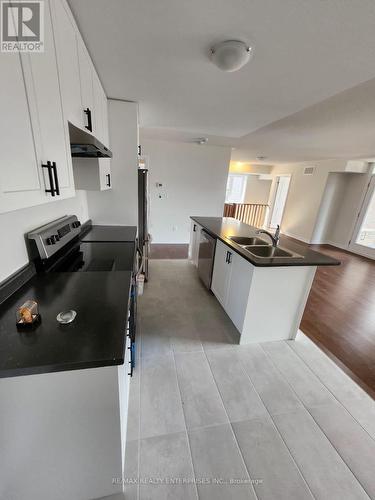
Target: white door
(238, 289)
(67, 60)
(221, 272)
(363, 241)
(51, 137)
(282, 188)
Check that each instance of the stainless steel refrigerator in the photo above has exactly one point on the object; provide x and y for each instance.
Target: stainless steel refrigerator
(143, 209)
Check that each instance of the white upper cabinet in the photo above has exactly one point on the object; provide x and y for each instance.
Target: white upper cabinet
(68, 63)
(99, 109)
(32, 127)
(39, 94)
(50, 132)
(21, 182)
(86, 73)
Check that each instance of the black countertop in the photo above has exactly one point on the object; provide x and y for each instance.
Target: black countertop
(95, 338)
(109, 233)
(224, 227)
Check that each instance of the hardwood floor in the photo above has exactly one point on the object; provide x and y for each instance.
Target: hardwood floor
(169, 251)
(340, 314)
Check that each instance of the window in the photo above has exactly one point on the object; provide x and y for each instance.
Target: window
(236, 187)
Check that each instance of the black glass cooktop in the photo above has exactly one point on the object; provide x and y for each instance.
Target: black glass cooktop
(96, 257)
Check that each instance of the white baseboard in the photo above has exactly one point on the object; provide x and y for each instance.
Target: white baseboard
(337, 245)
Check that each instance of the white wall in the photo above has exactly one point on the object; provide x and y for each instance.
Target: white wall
(257, 191)
(194, 181)
(119, 205)
(302, 216)
(14, 225)
(330, 206)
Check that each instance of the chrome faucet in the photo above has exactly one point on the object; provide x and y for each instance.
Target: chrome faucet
(275, 238)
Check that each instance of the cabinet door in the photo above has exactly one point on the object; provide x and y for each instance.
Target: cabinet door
(105, 174)
(98, 109)
(221, 273)
(67, 61)
(86, 71)
(21, 184)
(196, 240)
(51, 136)
(106, 140)
(192, 239)
(238, 289)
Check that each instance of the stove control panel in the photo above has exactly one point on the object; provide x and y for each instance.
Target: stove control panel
(51, 237)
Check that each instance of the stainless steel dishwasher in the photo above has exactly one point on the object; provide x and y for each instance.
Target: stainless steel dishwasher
(207, 245)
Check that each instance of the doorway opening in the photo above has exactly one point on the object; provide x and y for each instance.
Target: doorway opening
(279, 200)
(363, 241)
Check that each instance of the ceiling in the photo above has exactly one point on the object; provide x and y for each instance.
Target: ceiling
(305, 51)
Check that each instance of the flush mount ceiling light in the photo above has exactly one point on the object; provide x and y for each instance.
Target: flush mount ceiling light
(201, 140)
(261, 158)
(231, 55)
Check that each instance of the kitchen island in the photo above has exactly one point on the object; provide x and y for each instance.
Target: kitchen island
(264, 296)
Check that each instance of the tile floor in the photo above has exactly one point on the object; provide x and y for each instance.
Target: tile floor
(210, 419)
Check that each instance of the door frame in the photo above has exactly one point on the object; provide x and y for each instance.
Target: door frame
(274, 195)
(353, 245)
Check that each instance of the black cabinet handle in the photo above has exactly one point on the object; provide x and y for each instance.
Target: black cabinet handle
(87, 112)
(57, 188)
(229, 257)
(54, 188)
(108, 176)
(51, 189)
(194, 228)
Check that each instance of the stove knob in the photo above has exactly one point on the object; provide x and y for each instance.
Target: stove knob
(51, 240)
(75, 224)
(57, 237)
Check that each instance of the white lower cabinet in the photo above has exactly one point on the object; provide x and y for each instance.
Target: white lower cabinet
(221, 273)
(231, 281)
(195, 233)
(240, 278)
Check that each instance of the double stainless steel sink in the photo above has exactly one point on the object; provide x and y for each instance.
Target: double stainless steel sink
(262, 249)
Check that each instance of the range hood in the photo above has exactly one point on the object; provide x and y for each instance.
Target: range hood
(85, 145)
